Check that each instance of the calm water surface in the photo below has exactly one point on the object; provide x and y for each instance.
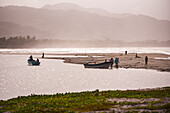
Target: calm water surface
(54, 76)
(165, 50)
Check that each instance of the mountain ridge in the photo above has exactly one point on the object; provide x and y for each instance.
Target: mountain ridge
(78, 25)
(71, 6)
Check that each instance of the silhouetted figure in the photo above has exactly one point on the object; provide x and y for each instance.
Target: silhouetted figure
(116, 62)
(137, 56)
(43, 55)
(105, 60)
(31, 58)
(37, 60)
(111, 60)
(146, 60)
(125, 52)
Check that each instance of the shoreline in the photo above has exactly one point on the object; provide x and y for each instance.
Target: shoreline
(121, 90)
(126, 61)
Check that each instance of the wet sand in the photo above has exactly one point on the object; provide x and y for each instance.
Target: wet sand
(125, 61)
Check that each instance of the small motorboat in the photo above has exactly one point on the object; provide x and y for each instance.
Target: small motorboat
(33, 62)
(104, 65)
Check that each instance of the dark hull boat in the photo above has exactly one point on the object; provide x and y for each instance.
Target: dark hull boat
(33, 62)
(104, 65)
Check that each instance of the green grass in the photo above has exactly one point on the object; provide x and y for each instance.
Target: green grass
(137, 94)
(82, 102)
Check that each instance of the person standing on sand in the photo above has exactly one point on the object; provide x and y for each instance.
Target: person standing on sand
(116, 62)
(125, 52)
(111, 60)
(146, 60)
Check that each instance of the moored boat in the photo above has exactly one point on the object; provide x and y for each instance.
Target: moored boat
(104, 65)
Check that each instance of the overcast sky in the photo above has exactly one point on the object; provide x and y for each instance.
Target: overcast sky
(159, 9)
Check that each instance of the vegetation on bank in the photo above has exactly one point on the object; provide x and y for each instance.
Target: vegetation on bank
(32, 42)
(83, 101)
(17, 42)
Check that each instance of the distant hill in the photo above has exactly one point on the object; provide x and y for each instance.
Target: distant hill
(70, 6)
(11, 29)
(72, 22)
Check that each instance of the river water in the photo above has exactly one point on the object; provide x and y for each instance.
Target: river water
(54, 76)
(164, 50)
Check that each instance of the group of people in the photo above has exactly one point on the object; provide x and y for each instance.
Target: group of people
(31, 58)
(116, 62)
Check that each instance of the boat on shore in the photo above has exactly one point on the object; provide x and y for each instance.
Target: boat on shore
(33, 62)
(104, 65)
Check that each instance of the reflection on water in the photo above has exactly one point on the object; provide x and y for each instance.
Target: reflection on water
(159, 58)
(54, 76)
(165, 50)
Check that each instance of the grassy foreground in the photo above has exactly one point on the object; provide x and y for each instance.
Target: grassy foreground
(87, 101)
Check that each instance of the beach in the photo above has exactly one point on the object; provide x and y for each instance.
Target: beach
(156, 61)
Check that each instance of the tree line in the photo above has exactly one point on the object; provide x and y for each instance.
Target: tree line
(17, 41)
(31, 42)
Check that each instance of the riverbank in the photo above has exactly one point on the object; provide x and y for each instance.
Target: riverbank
(145, 100)
(156, 61)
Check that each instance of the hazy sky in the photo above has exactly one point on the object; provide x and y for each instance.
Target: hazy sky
(155, 8)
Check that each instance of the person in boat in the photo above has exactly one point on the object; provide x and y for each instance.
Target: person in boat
(37, 60)
(146, 60)
(116, 62)
(111, 60)
(31, 58)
